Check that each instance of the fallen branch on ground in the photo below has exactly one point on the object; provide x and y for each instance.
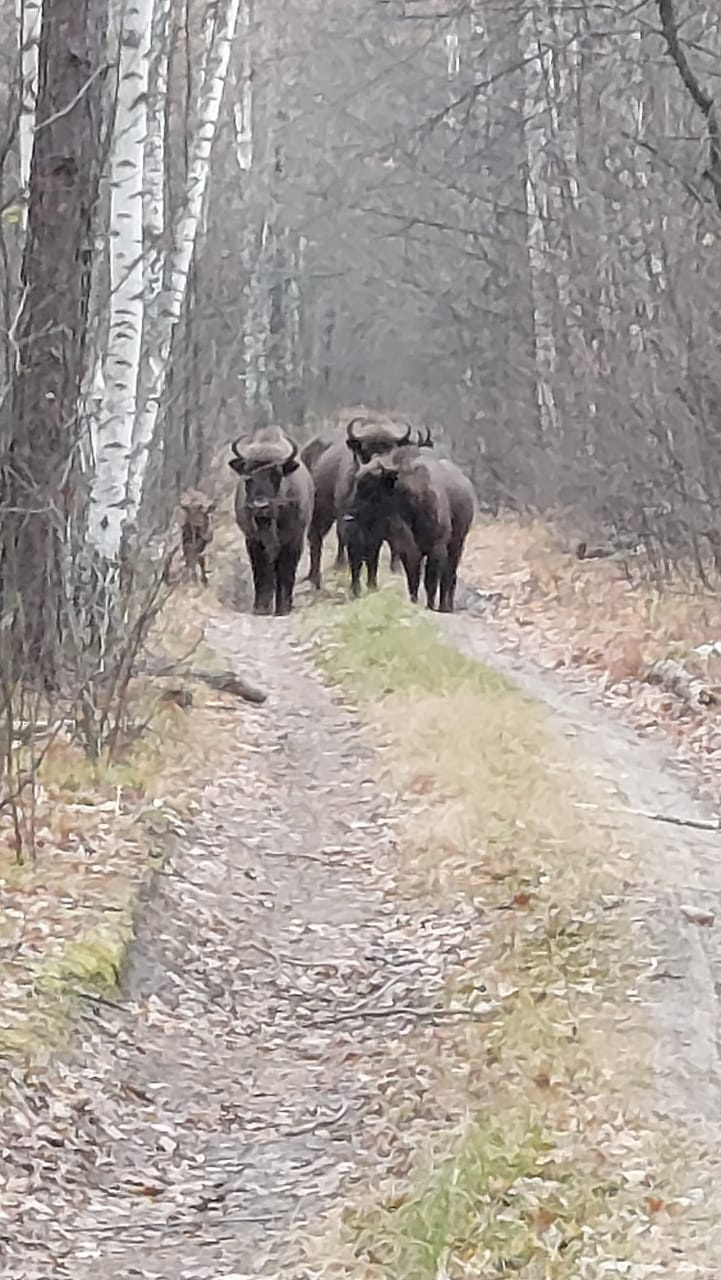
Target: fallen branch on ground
(677, 680)
(698, 824)
(225, 681)
(407, 1011)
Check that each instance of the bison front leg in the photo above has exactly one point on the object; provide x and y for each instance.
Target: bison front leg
(263, 578)
(286, 568)
(372, 558)
(203, 570)
(412, 566)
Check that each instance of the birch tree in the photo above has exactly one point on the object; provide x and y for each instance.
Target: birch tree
(167, 309)
(113, 432)
(29, 15)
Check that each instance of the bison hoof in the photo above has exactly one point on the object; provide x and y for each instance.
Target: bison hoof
(262, 610)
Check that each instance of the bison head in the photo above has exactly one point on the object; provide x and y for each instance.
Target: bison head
(263, 468)
(370, 500)
(196, 510)
(367, 440)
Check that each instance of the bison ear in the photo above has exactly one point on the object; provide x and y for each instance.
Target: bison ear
(237, 465)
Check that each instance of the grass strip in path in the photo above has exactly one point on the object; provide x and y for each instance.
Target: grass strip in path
(554, 1169)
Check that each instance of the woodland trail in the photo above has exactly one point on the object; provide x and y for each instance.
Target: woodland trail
(242, 1077)
(279, 995)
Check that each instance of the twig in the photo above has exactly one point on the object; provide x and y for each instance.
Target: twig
(318, 1123)
(406, 1011)
(698, 824)
(65, 111)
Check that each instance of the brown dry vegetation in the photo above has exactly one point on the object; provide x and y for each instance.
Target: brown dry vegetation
(95, 831)
(603, 621)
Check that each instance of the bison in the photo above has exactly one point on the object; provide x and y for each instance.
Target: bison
(433, 499)
(196, 531)
(333, 473)
(273, 506)
(368, 519)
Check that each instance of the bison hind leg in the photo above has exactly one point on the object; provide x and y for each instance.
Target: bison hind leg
(341, 557)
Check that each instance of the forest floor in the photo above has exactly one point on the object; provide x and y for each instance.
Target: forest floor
(425, 989)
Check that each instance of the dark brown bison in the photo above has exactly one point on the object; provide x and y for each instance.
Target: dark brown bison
(433, 499)
(364, 438)
(311, 452)
(273, 506)
(196, 532)
(367, 523)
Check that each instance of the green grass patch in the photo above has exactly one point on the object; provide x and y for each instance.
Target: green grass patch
(488, 802)
(380, 644)
(502, 1201)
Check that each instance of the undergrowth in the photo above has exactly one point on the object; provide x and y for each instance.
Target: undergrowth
(96, 830)
(550, 1169)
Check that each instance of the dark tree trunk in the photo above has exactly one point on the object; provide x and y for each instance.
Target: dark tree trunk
(41, 473)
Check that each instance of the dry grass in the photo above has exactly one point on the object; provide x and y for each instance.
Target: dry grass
(591, 618)
(99, 829)
(550, 1168)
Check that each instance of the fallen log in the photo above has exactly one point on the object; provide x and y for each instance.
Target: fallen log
(226, 681)
(671, 675)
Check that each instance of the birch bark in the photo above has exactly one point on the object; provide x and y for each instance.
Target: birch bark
(169, 304)
(534, 108)
(113, 430)
(29, 16)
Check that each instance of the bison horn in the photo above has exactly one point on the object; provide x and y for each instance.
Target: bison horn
(293, 452)
(350, 430)
(405, 439)
(234, 447)
(425, 440)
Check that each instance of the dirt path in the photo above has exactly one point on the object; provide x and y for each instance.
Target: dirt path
(248, 1067)
(254, 1060)
(676, 877)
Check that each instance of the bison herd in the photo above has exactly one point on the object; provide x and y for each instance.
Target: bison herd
(378, 481)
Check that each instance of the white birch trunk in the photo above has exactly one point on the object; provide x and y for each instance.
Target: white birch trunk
(243, 109)
(169, 305)
(534, 109)
(154, 157)
(259, 257)
(29, 16)
(113, 430)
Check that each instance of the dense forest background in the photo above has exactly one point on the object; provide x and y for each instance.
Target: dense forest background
(498, 218)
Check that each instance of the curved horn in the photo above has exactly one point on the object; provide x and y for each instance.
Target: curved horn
(349, 431)
(293, 451)
(406, 438)
(234, 446)
(425, 441)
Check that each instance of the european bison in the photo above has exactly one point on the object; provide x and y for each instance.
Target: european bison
(196, 531)
(333, 474)
(368, 521)
(273, 506)
(433, 499)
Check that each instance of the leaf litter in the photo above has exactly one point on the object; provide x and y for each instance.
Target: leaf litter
(269, 1021)
(281, 1052)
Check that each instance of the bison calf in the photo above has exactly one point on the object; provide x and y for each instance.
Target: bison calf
(196, 531)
